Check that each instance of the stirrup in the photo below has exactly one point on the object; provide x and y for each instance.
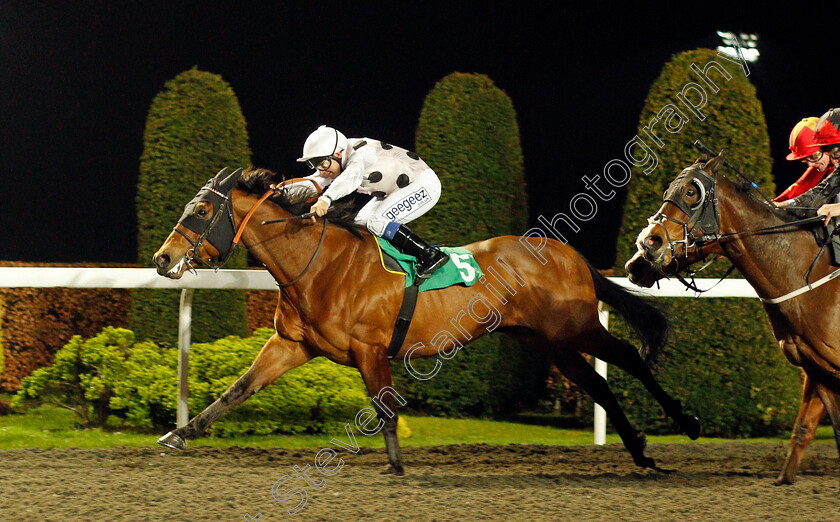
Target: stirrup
(426, 272)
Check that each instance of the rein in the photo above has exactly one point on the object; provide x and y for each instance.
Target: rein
(806, 221)
(225, 207)
(253, 209)
(311, 260)
(247, 217)
(250, 213)
(716, 237)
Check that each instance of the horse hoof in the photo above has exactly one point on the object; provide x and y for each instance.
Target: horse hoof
(782, 481)
(692, 427)
(172, 440)
(645, 462)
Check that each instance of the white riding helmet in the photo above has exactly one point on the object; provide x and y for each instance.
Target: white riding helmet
(322, 143)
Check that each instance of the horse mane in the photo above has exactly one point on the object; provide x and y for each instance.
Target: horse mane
(258, 181)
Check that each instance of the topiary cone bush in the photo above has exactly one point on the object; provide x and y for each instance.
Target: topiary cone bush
(722, 361)
(194, 128)
(468, 134)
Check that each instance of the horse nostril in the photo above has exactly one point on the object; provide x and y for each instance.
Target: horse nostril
(161, 260)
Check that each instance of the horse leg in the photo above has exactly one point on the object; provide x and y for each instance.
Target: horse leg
(276, 357)
(578, 370)
(373, 365)
(811, 411)
(620, 353)
(831, 399)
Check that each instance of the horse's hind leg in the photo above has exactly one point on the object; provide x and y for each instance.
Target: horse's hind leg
(811, 411)
(624, 355)
(372, 363)
(578, 370)
(276, 358)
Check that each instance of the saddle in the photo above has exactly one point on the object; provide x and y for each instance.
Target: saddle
(461, 269)
(832, 240)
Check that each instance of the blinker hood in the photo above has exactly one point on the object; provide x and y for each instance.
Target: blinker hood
(216, 192)
(704, 212)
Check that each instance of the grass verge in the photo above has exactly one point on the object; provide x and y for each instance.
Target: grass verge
(52, 427)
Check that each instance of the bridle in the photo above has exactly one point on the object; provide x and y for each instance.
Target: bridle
(704, 217)
(214, 192)
(215, 235)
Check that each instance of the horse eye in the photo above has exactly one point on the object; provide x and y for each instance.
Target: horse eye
(201, 212)
(690, 193)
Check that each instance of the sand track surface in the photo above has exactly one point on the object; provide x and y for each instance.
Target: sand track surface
(730, 481)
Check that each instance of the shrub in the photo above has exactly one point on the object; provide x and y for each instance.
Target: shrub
(113, 379)
(723, 362)
(194, 128)
(318, 397)
(91, 377)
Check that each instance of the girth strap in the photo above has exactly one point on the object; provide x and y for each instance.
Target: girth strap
(404, 319)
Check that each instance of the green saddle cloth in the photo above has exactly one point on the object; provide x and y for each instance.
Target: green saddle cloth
(461, 268)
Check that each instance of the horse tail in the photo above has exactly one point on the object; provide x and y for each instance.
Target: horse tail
(646, 319)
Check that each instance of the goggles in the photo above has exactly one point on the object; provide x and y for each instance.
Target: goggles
(813, 158)
(834, 153)
(322, 163)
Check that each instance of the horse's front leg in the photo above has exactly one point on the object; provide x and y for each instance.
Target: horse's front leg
(278, 356)
(831, 399)
(811, 411)
(372, 362)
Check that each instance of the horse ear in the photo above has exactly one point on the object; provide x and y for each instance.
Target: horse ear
(231, 179)
(713, 165)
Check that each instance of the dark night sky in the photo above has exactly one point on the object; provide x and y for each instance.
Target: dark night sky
(77, 79)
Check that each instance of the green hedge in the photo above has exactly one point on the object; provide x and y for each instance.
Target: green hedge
(468, 134)
(194, 128)
(723, 361)
(318, 397)
(111, 379)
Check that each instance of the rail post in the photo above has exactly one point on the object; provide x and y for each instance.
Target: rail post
(184, 327)
(600, 427)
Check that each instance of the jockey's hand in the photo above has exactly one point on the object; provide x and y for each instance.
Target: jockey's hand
(319, 208)
(829, 211)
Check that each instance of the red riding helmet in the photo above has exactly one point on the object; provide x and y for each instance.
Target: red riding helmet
(801, 137)
(828, 129)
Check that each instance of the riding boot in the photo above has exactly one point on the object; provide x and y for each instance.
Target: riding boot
(428, 257)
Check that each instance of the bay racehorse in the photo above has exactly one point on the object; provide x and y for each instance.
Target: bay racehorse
(704, 213)
(336, 301)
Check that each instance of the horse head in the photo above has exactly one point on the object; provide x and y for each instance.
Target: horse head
(687, 221)
(204, 233)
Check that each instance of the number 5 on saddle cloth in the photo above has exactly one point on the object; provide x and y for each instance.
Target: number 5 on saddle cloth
(462, 269)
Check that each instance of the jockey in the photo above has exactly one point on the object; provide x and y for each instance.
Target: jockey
(402, 185)
(800, 150)
(827, 138)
